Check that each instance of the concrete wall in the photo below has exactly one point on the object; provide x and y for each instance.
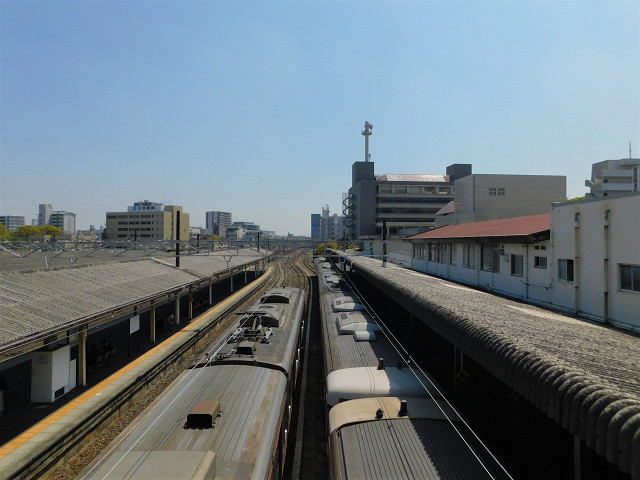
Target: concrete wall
(581, 231)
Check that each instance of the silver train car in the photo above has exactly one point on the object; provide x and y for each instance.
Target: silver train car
(228, 416)
(386, 420)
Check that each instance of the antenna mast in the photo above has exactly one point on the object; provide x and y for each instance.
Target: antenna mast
(366, 132)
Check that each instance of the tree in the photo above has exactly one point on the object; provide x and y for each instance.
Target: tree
(4, 232)
(50, 230)
(27, 231)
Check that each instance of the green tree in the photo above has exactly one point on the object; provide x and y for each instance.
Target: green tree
(27, 231)
(50, 230)
(321, 249)
(4, 232)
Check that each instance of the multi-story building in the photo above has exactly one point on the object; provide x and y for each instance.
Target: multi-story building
(44, 214)
(147, 221)
(66, 221)
(331, 226)
(12, 222)
(248, 231)
(613, 177)
(405, 201)
(315, 226)
(479, 197)
(216, 223)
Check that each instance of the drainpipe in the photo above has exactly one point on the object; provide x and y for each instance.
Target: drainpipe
(576, 266)
(605, 315)
(525, 273)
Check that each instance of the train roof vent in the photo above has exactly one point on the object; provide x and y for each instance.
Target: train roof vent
(364, 336)
(345, 304)
(277, 295)
(203, 414)
(246, 348)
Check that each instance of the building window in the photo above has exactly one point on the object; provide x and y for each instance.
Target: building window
(500, 191)
(565, 270)
(490, 258)
(492, 191)
(516, 265)
(469, 255)
(540, 262)
(630, 278)
(453, 254)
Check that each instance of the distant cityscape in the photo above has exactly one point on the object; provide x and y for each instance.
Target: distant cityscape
(393, 205)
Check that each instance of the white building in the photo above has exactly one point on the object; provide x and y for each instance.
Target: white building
(598, 241)
(66, 221)
(613, 177)
(582, 258)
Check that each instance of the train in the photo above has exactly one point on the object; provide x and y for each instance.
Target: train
(229, 414)
(387, 418)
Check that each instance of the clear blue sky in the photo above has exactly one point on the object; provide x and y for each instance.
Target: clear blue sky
(257, 107)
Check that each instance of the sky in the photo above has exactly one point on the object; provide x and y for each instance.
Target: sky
(257, 107)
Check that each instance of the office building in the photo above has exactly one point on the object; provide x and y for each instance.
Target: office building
(315, 226)
(44, 214)
(12, 222)
(147, 221)
(66, 221)
(216, 223)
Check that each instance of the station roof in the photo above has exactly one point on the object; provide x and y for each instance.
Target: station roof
(38, 303)
(506, 227)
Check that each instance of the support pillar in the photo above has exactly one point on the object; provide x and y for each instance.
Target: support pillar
(152, 320)
(231, 279)
(82, 355)
(177, 310)
(577, 470)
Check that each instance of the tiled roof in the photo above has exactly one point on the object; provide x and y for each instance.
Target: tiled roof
(506, 227)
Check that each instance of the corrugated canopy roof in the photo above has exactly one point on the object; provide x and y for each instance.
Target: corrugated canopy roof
(46, 300)
(506, 227)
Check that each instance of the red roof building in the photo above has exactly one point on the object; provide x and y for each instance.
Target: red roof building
(529, 229)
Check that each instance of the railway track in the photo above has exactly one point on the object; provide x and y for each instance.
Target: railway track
(291, 270)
